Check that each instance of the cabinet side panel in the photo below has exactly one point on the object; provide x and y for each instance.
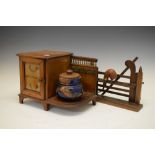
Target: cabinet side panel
(88, 77)
(54, 67)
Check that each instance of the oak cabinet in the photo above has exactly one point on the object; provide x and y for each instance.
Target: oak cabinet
(39, 73)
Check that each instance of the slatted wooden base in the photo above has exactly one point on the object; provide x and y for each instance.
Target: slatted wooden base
(119, 103)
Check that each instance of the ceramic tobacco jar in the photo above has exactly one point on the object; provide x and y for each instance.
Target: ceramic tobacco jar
(69, 86)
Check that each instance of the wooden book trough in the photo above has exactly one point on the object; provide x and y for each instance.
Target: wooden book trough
(131, 90)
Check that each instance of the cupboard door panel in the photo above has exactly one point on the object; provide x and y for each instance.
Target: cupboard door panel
(32, 70)
(32, 77)
(32, 84)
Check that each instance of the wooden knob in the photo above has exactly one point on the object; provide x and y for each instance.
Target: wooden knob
(69, 71)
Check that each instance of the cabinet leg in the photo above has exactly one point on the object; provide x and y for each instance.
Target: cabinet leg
(94, 100)
(21, 99)
(46, 106)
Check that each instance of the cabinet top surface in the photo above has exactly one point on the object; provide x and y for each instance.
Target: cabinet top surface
(44, 54)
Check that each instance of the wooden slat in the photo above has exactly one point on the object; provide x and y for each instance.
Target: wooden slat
(114, 88)
(124, 84)
(119, 103)
(131, 65)
(99, 72)
(85, 66)
(116, 93)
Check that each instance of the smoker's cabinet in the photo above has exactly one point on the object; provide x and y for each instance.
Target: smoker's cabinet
(39, 72)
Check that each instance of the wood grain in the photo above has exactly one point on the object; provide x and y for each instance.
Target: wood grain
(139, 86)
(119, 103)
(44, 54)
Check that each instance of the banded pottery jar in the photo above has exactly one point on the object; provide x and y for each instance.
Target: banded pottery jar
(69, 86)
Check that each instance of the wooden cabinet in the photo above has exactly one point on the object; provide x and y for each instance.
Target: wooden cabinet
(39, 73)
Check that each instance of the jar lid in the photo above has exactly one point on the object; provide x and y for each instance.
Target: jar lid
(69, 74)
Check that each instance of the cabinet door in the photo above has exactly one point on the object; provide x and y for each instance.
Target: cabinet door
(32, 77)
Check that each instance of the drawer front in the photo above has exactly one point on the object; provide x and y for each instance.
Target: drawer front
(32, 77)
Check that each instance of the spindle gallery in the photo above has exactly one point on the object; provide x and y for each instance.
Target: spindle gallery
(58, 78)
